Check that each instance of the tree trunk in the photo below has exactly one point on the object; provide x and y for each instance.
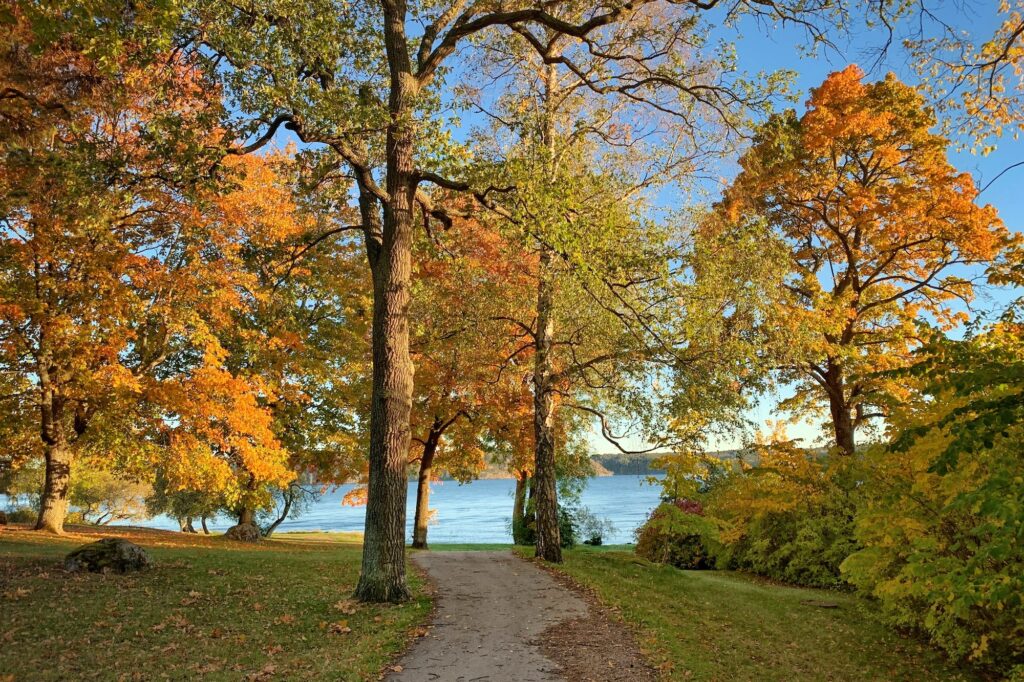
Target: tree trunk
(186, 525)
(53, 505)
(519, 509)
(289, 498)
(202, 522)
(549, 545)
(246, 516)
(544, 485)
(840, 408)
(419, 529)
(382, 577)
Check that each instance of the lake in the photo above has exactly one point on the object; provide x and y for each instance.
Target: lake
(475, 512)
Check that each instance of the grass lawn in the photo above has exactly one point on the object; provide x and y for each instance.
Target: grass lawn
(724, 626)
(210, 609)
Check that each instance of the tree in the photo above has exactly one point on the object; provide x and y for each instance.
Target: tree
(356, 79)
(461, 335)
(117, 265)
(301, 330)
(604, 315)
(977, 84)
(182, 505)
(879, 229)
(99, 493)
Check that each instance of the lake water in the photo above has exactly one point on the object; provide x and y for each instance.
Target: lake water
(476, 512)
(473, 512)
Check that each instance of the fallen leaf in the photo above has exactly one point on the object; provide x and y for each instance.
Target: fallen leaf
(340, 628)
(346, 606)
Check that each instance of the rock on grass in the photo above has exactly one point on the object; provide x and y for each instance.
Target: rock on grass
(109, 555)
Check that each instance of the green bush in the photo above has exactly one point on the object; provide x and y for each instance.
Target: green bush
(942, 520)
(943, 552)
(678, 534)
(803, 546)
(567, 526)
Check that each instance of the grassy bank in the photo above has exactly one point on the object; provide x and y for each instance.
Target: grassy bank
(722, 626)
(210, 608)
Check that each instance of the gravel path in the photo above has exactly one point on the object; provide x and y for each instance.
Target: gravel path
(493, 610)
(491, 607)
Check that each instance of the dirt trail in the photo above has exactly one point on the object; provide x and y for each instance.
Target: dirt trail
(492, 610)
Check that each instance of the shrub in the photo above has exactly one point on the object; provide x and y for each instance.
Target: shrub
(591, 528)
(790, 517)
(802, 546)
(678, 534)
(942, 523)
(942, 552)
(567, 526)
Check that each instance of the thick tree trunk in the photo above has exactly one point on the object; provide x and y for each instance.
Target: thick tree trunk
(382, 578)
(419, 528)
(53, 505)
(549, 545)
(519, 509)
(246, 516)
(840, 408)
(202, 522)
(186, 525)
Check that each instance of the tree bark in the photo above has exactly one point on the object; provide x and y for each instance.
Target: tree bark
(519, 509)
(246, 516)
(549, 546)
(202, 522)
(840, 408)
(186, 525)
(419, 531)
(53, 505)
(382, 577)
(544, 486)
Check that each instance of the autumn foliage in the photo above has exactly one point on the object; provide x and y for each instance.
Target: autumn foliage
(878, 229)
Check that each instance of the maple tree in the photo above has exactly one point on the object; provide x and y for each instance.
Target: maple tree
(118, 267)
(878, 229)
(461, 335)
(301, 328)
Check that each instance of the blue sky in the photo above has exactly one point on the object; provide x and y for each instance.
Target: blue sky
(779, 48)
(765, 49)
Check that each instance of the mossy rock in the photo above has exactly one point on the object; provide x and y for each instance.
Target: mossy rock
(244, 532)
(109, 555)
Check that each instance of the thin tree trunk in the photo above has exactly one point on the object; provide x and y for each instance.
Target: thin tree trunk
(382, 577)
(289, 497)
(549, 545)
(840, 409)
(519, 509)
(202, 522)
(419, 529)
